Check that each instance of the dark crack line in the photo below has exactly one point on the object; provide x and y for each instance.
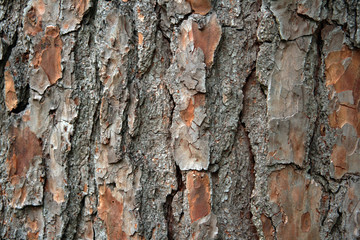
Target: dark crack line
(168, 211)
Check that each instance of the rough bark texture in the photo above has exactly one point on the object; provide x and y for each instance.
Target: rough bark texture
(180, 119)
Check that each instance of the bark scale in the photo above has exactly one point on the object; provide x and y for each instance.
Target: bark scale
(179, 119)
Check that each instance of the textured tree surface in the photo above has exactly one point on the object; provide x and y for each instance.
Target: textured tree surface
(180, 119)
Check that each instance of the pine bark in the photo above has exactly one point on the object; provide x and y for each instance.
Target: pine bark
(180, 119)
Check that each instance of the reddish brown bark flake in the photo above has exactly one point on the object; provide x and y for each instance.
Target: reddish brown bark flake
(267, 227)
(24, 147)
(33, 233)
(200, 6)
(299, 201)
(338, 158)
(187, 115)
(48, 54)
(111, 212)
(207, 38)
(343, 73)
(343, 79)
(198, 185)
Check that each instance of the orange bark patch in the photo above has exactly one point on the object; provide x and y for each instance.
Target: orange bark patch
(33, 234)
(345, 114)
(198, 185)
(24, 147)
(111, 212)
(48, 54)
(343, 73)
(267, 227)
(338, 158)
(299, 202)
(207, 39)
(33, 18)
(10, 93)
(141, 38)
(187, 115)
(200, 6)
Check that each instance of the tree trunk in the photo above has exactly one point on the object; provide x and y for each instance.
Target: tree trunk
(180, 119)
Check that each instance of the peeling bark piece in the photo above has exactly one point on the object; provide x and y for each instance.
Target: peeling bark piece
(24, 148)
(287, 140)
(190, 142)
(345, 115)
(73, 12)
(198, 185)
(187, 115)
(285, 90)
(81, 6)
(207, 38)
(200, 6)
(191, 149)
(48, 54)
(110, 210)
(205, 228)
(298, 198)
(11, 100)
(34, 224)
(288, 106)
(267, 227)
(342, 71)
(351, 210)
(292, 25)
(24, 167)
(33, 18)
(338, 159)
(311, 8)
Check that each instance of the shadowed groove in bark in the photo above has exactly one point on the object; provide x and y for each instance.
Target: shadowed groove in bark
(168, 211)
(76, 200)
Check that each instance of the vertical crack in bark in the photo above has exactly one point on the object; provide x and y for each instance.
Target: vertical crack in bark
(7, 53)
(21, 106)
(337, 224)
(318, 77)
(251, 152)
(168, 211)
(79, 216)
(75, 201)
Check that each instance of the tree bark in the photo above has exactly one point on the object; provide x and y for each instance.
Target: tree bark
(180, 119)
